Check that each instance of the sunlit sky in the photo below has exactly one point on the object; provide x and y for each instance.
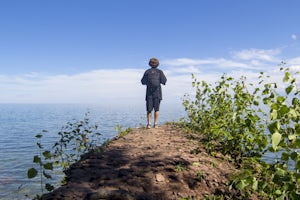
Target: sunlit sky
(96, 51)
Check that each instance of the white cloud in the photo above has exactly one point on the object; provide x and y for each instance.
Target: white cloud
(185, 61)
(257, 54)
(294, 61)
(94, 86)
(185, 69)
(294, 37)
(123, 85)
(206, 63)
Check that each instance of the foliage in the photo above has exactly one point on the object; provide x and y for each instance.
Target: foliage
(121, 132)
(228, 116)
(246, 122)
(200, 175)
(44, 164)
(76, 138)
(179, 166)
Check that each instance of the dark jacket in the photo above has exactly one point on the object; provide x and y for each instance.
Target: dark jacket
(150, 92)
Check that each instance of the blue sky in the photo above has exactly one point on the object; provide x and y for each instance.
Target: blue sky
(72, 51)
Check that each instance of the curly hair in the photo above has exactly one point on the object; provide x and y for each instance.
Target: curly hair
(153, 62)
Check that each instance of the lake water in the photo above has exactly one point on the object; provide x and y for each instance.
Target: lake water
(19, 123)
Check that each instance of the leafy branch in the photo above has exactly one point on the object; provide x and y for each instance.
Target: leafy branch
(75, 139)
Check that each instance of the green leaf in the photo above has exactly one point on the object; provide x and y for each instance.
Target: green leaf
(293, 113)
(294, 156)
(39, 136)
(31, 173)
(47, 154)
(298, 165)
(286, 77)
(278, 192)
(285, 156)
(255, 184)
(295, 101)
(275, 126)
(48, 166)
(283, 110)
(280, 172)
(289, 89)
(273, 115)
(280, 99)
(275, 106)
(36, 159)
(64, 164)
(276, 138)
(292, 137)
(49, 187)
(297, 143)
(266, 100)
(241, 184)
(297, 128)
(266, 91)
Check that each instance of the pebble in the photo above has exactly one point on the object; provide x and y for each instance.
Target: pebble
(159, 178)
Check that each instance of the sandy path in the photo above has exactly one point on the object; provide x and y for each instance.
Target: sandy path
(146, 164)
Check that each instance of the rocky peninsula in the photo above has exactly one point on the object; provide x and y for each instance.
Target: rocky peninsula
(165, 163)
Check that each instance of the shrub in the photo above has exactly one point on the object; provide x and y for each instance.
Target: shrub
(246, 125)
(75, 138)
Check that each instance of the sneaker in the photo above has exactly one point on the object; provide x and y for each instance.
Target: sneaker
(155, 126)
(148, 126)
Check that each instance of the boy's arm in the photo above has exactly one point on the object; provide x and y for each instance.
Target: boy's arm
(163, 78)
(144, 79)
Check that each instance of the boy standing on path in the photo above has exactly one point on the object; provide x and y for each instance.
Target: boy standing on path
(153, 78)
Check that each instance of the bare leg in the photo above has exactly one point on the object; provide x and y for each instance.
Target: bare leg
(149, 119)
(156, 115)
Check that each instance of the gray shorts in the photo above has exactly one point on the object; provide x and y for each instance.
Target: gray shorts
(152, 103)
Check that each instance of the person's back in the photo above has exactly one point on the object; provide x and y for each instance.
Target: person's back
(153, 78)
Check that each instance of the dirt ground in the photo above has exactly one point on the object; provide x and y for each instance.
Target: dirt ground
(147, 164)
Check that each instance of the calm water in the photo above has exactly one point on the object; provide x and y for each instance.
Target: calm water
(19, 123)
